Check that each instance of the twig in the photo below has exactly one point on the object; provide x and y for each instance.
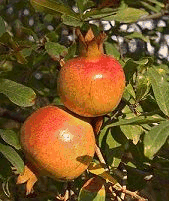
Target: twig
(100, 156)
(133, 194)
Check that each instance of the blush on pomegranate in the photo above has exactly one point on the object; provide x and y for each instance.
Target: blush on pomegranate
(57, 143)
(92, 84)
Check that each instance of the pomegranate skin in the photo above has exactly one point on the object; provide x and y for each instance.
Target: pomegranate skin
(57, 143)
(91, 87)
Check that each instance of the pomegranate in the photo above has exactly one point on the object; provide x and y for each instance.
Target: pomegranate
(91, 84)
(57, 143)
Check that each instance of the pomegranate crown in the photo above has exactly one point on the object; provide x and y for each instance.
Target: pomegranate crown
(92, 46)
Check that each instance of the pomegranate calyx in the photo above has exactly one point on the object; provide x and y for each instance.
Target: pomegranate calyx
(92, 46)
(29, 178)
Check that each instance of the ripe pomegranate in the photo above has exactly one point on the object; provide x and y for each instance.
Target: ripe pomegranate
(91, 84)
(57, 143)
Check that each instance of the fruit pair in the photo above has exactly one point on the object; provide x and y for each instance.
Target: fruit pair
(59, 142)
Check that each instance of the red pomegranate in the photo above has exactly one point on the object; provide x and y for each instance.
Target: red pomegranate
(57, 143)
(91, 84)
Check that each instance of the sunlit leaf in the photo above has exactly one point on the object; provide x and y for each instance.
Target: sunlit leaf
(138, 35)
(157, 3)
(57, 7)
(13, 157)
(155, 138)
(150, 7)
(10, 137)
(132, 132)
(2, 26)
(68, 20)
(99, 169)
(17, 93)
(127, 15)
(160, 89)
(142, 87)
(93, 190)
(55, 49)
(98, 13)
(130, 90)
(138, 120)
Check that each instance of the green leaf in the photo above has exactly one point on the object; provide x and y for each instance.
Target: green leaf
(99, 169)
(98, 13)
(13, 157)
(113, 150)
(17, 93)
(71, 51)
(127, 15)
(111, 50)
(55, 49)
(142, 87)
(150, 7)
(54, 6)
(138, 35)
(93, 190)
(143, 61)
(71, 21)
(138, 120)
(80, 5)
(157, 3)
(160, 89)
(155, 138)
(110, 141)
(2, 26)
(84, 4)
(130, 68)
(10, 137)
(26, 52)
(132, 132)
(130, 90)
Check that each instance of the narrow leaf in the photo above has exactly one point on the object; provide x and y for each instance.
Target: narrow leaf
(160, 89)
(13, 157)
(98, 13)
(127, 15)
(137, 121)
(152, 8)
(155, 138)
(10, 137)
(157, 3)
(17, 93)
(138, 35)
(54, 6)
(2, 26)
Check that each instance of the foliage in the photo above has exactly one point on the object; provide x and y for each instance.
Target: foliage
(33, 43)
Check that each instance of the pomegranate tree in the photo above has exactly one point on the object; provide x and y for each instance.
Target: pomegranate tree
(91, 84)
(56, 143)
